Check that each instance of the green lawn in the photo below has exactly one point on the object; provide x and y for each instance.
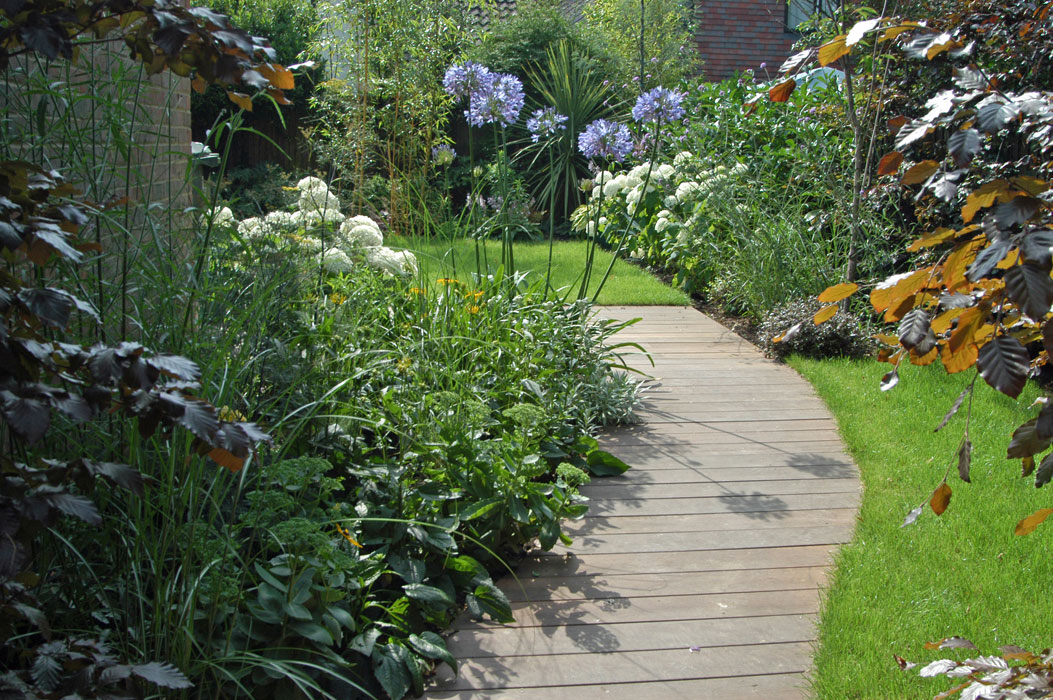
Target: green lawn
(964, 573)
(627, 284)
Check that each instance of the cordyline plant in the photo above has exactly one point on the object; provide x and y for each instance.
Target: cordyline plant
(44, 380)
(979, 154)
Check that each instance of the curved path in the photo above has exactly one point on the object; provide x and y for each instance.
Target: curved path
(696, 574)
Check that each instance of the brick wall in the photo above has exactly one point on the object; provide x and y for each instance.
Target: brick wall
(736, 35)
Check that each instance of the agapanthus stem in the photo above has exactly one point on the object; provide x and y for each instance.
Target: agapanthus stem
(551, 223)
(636, 210)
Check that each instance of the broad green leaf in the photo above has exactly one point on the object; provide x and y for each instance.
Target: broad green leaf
(432, 646)
(492, 601)
(480, 508)
(389, 667)
(315, 632)
(602, 463)
(428, 594)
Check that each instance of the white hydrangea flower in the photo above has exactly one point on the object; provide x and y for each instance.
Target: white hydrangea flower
(356, 234)
(308, 243)
(682, 158)
(662, 224)
(687, 191)
(394, 262)
(739, 169)
(640, 171)
(337, 261)
(684, 236)
(223, 217)
(282, 221)
(670, 201)
(311, 184)
(665, 214)
(362, 220)
(320, 206)
(664, 171)
(251, 227)
(590, 228)
(615, 186)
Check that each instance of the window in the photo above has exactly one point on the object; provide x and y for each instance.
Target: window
(798, 11)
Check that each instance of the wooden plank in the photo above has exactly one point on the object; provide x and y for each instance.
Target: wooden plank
(785, 686)
(734, 474)
(745, 428)
(755, 503)
(608, 490)
(587, 611)
(695, 541)
(657, 582)
(560, 638)
(621, 523)
(626, 667)
(766, 561)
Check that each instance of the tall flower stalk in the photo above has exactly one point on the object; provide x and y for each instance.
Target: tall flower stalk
(545, 124)
(608, 141)
(656, 107)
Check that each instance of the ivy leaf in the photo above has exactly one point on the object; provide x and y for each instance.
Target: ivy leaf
(1003, 364)
(1031, 288)
(941, 498)
(165, 675)
(1028, 524)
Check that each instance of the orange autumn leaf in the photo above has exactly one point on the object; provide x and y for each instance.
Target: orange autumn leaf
(919, 172)
(837, 292)
(240, 99)
(889, 163)
(982, 197)
(896, 288)
(957, 262)
(935, 238)
(941, 498)
(782, 91)
(825, 314)
(833, 50)
(1028, 524)
(959, 361)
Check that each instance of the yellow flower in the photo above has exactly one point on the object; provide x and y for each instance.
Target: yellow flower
(404, 363)
(347, 536)
(448, 280)
(228, 414)
(337, 298)
(417, 290)
(473, 295)
(473, 309)
(290, 189)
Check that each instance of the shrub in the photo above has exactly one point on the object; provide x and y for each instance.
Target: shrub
(841, 336)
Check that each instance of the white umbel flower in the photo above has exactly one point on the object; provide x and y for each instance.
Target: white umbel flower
(355, 234)
(337, 261)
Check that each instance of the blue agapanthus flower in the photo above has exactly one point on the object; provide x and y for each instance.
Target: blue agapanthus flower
(443, 154)
(500, 101)
(659, 105)
(605, 139)
(466, 79)
(544, 123)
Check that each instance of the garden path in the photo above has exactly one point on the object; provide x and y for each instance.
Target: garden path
(696, 574)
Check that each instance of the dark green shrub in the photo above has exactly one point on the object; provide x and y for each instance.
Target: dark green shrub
(841, 336)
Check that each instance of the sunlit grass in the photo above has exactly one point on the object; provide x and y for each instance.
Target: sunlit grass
(964, 573)
(627, 284)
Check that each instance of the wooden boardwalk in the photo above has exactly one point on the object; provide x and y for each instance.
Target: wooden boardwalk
(696, 574)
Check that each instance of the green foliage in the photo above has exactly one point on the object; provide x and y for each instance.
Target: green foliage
(669, 53)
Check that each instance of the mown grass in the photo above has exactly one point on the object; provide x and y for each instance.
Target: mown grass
(627, 284)
(964, 573)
